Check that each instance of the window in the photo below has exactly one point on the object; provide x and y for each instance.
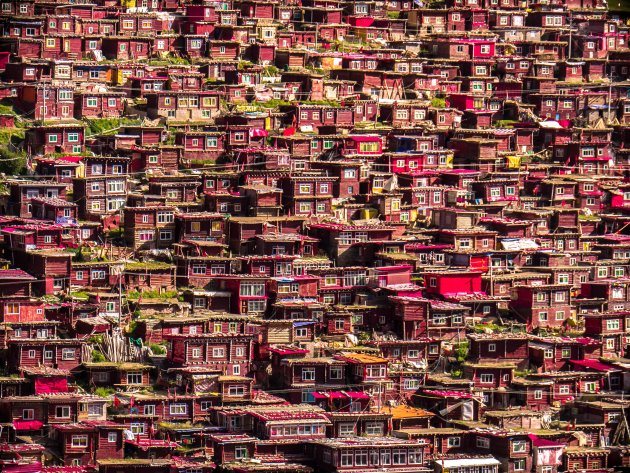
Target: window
(116, 186)
(205, 405)
(218, 352)
(590, 387)
(68, 354)
(256, 306)
(137, 428)
(12, 308)
(28, 414)
(361, 458)
(112, 437)
(465, 243)
(613, 324)
(519, 446)
(149, 409)
(62, 412)
(519, 464)
(346, 429)
(375, 371)
(411, 384)
(79, 441)
(252, 289)
(199, 269)
(178, 409)
(308, 374)
(236, 390)
(487, 378)
(240, 452)
(399, 456)
(483, 442)
(415, 456)
(564, 389)
(134, 378)
(454, 442)
(346, 458)
(336, 372)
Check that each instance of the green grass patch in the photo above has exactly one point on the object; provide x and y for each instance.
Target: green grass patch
(98, 357)
(108, 125)
(461, 351)
(152, 294)
(438, 102)
(104, 392)
(481, 328)
(504, 123)
(157, 349)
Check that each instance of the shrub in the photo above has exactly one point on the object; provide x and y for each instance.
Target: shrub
(438, 102)
(104, 392)
(157, 349)
(98, 357)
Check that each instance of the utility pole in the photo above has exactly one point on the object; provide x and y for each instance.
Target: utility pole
(609, 95)
(570, 33)
(45, 109)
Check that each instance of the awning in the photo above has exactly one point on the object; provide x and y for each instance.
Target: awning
(27, 424)
(358, 395)
(302, 324)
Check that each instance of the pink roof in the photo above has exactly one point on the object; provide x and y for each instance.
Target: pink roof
(15, 274)
(340, 395)
(145, 444)
(71, 159)
(388, 269)
(594, 365)
(441, 393)
(538, 442)
(365, 138)
(459, 171)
